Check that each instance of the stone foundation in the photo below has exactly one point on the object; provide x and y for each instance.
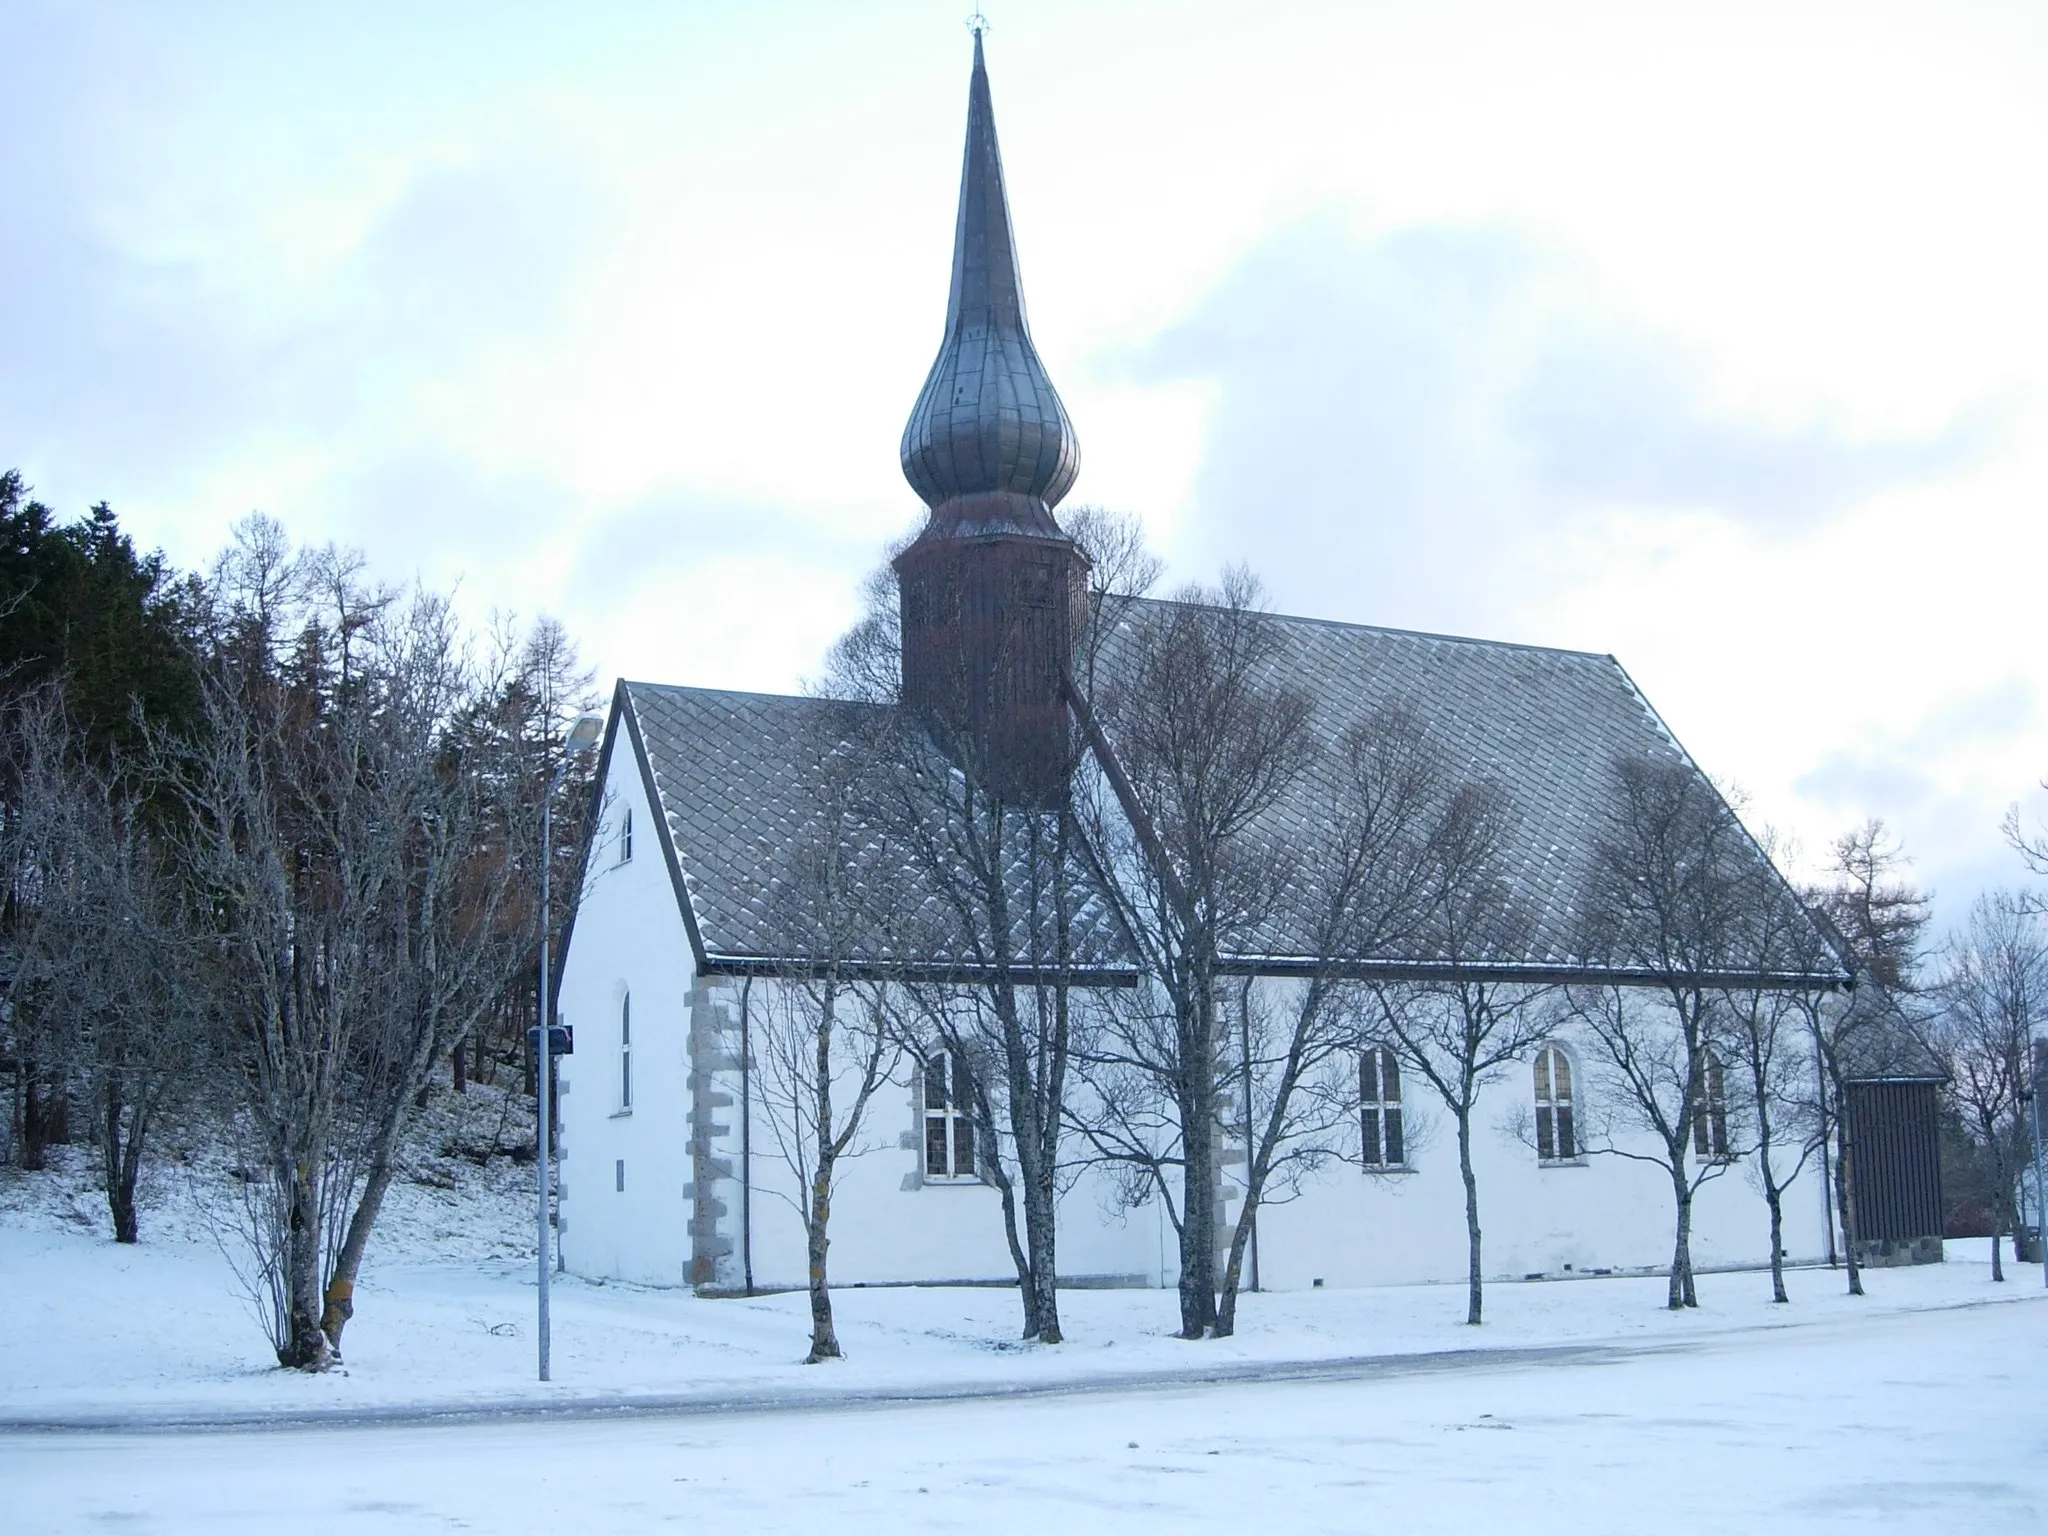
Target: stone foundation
(1897, 1252)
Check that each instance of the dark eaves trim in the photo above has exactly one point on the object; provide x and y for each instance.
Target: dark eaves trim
(659, 807)
(800, 968)
(622, 710)
(1535, 975)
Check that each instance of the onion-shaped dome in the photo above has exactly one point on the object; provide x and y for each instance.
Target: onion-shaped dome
(988, 431)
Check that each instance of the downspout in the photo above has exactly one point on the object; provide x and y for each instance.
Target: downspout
(2040, 1190)
(1245, 1212)
(747, 1133)
(1827, 1177)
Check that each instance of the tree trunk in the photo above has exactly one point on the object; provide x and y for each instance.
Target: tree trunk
(122, 1127)
(1775, 1197)
(41, 1109)
(458, 1061)
(1020, 1256)
(1474, 1286)
(1845, 1177)
(1198, 1218)
(817, 1219)
(1680, 1293)
(1233, 1270)
(305, 1346)
(824, 1339)
(1040, 1217)
(121, 1206)
(338, 1304)
(1197, 1096)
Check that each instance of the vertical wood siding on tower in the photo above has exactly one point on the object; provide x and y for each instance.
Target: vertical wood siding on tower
(1895, 1142)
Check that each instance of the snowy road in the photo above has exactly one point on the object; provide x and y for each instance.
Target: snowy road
(1930, 1421)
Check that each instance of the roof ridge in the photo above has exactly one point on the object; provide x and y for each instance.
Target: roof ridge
(1389, 629)
(747, 693)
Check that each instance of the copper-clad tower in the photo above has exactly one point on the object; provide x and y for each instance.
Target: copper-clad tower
(992, 593)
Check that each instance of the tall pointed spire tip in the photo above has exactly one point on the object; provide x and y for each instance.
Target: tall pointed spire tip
(988, 424)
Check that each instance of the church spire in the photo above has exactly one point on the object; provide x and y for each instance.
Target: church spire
(992, 594)
(988, 446)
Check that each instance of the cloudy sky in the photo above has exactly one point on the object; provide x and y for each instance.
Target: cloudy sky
(1712, 336)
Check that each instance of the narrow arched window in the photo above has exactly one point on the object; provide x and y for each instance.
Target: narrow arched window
(1379, 1108)
(626, 835)
(1710, 1108)
(1556, 1108)
(948, 1118)
(626, 1051)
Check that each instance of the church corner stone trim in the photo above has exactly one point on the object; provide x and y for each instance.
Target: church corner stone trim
(713, 1193)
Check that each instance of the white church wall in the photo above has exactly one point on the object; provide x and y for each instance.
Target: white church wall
(695, 1129)
(893, 1224)
(629, 951)
(1599, 1211)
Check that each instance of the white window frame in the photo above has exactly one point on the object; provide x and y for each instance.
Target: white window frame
(1382, 1134)
(625, 834)
(1710, 1111)
(1557, 1111)
(942, 1085)
(626, 1052)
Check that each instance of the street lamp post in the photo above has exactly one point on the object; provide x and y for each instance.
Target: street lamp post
(2040, 1190)
(583, 735)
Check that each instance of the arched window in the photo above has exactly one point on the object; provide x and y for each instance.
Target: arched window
(1710, 1109)
(626, 1051)
(626, 834)
(1379, 1107)
(1556, 1137)
(948, 1118)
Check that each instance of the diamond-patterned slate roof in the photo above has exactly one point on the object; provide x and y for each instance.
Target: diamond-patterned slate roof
(1545, 725)
(734, 775)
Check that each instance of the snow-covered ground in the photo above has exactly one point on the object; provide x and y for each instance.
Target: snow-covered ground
(1928, 1421)
(1582, 1406)
(93, 1332)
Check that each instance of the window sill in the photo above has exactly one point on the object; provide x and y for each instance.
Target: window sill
(1377, 1168)
(623, 1114)
(1562, 1162)
(953, 1181)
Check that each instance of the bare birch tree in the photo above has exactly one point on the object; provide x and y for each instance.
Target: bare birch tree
(1666, 899)
(1878, 919)
(1004, 890)
(1992, 991)
(1459, 1034)
(118, 967)
(1207, 741)
(1771, 1034)
(827, 1039)
(1362, 887)
(351, 866)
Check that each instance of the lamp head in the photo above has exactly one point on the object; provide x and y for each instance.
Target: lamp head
(586, 733)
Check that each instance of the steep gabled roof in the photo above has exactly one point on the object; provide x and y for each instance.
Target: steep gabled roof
(730, 775)
(1546, 726)
(733, 775)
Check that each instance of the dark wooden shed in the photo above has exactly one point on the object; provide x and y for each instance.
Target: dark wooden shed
(1892, 1140)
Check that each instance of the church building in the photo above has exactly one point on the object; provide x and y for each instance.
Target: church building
(673, 1169)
